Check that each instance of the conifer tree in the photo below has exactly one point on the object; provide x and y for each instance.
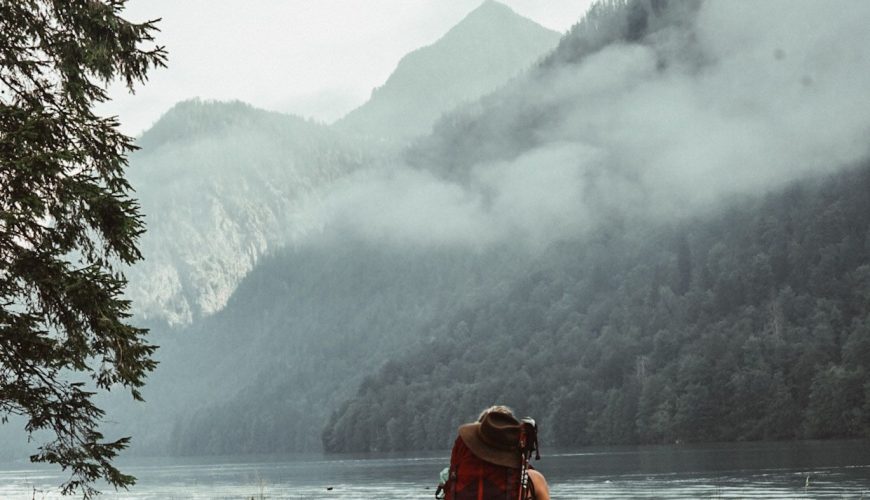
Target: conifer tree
(68, 225)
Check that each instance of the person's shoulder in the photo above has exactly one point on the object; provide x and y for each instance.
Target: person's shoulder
(537, 476)
(542, 490)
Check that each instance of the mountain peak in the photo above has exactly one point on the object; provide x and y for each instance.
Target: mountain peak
(488, 17)
(491, 7)
(196, 117)
(487, 48)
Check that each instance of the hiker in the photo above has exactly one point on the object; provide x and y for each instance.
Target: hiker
(490, 460)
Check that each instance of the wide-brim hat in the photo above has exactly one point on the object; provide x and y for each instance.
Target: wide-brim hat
(495, 439)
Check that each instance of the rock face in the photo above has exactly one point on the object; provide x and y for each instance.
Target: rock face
(221, 184)
(486, 49)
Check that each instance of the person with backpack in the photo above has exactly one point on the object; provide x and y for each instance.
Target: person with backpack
(490, 460)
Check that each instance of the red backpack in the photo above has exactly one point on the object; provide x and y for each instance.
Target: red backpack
(471, 478)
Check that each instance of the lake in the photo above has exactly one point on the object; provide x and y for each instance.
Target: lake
(804, 469)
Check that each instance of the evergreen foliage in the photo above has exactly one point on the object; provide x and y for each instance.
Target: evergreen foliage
(67, 224)
(749, 325)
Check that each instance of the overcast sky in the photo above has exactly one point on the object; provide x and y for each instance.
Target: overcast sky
(314, 58)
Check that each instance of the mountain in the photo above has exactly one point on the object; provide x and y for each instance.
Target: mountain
(649, 233)
(576, 92)
(221, 184)
(296, 337)
(719, 288)
(486, 49)
(750, 324)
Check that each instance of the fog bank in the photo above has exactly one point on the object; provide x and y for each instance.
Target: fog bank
(747, 97)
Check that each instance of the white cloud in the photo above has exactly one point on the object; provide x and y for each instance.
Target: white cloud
(403, 206)
(783, 95)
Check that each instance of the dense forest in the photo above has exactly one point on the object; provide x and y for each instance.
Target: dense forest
(752, 324)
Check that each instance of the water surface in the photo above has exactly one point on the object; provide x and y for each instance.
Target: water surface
(807, 469)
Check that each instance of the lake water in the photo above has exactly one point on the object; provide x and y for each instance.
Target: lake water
(833, 469)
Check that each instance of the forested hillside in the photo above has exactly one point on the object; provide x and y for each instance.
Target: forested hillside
(296, 338)
(750, 324)
(239, 195)
(713, 297)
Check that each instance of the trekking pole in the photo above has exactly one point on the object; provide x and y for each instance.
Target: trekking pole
(527, 444)
(524, 481)
(524, 464)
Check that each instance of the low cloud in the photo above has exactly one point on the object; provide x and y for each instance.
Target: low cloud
(764, 93)
(404, 206)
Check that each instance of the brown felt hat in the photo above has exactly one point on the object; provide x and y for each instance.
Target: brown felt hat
(495, 439)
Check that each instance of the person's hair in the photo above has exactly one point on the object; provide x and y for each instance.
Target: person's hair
(495, 409)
